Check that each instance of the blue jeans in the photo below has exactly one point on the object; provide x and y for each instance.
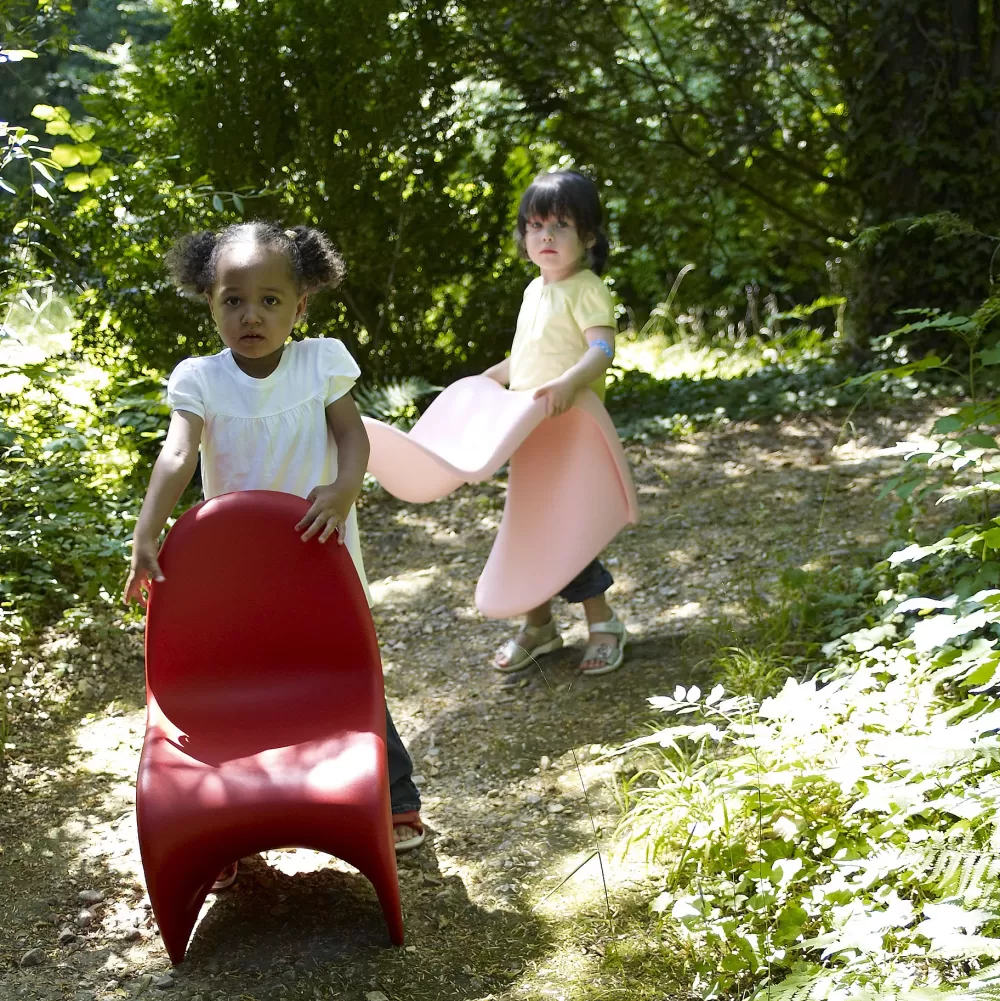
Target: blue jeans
(591, 582)
(403, 794)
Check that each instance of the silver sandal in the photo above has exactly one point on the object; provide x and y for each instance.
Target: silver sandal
(610, 657)
(541, 640)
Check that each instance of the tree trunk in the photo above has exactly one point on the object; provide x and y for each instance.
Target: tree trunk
(922, 141)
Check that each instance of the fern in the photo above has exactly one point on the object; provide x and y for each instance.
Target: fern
(960, 871)
(829, 987)
(396, 402)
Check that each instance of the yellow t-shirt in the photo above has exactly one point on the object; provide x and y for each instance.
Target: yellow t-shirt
(549, 339)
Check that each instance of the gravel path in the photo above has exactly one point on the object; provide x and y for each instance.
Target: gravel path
(514, 786)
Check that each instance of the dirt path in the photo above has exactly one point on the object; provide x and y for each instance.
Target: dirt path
(485, 914)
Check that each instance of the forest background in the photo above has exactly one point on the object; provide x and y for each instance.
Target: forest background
(809, 188)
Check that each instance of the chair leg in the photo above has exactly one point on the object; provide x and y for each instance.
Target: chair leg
(386, 884)
(176, 896)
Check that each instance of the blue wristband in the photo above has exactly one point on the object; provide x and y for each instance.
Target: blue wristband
(605, 347)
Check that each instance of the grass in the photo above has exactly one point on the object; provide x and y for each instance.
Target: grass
(661, 388)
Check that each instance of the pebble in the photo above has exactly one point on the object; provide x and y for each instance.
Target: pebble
(544, 762)
(556, 808)
(532, 798)
(33, 957)
(90, 896)
(85, 918)
(163, 983)
(67, 936)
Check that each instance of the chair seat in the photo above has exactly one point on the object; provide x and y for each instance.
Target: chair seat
(304, 795)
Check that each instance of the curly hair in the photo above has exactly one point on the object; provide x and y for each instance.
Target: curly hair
(566, 195)
(315, 263)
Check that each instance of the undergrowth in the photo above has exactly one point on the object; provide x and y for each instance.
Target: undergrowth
(825, 822)
(771, 377)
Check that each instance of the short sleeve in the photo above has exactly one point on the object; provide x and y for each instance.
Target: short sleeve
(338, 368)
(184, 389)
(593, 307)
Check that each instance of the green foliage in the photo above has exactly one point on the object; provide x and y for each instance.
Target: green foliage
(851, 822)
(395, 403)
(812, 379)
(841, 838)
(360, 125)
(64, 465)
(70, 439)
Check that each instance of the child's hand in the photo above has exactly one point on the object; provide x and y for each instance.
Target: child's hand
(559, 396)
(144, 569)
(328, 514)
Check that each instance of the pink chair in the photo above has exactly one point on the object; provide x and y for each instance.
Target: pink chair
(265, 708)
(569, 492)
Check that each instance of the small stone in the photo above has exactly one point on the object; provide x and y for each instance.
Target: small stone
(67, 936)
(163, 983)
(375, 996)
(85, 918)
(544, 762)
(33, 957)
(90, 896)
(132, 935)
(532, 798)
(556, 808)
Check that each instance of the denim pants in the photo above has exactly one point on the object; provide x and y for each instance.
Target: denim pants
(403, 794)
(591, 582)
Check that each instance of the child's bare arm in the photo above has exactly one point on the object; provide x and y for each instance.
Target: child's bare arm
(559, 393)
(331, 503)
(500, 372)
(171, 473)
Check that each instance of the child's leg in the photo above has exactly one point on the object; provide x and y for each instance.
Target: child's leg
(607, 635)
(404, 796)
(538, 636)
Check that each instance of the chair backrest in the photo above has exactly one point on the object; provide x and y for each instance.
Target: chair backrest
(252, 626)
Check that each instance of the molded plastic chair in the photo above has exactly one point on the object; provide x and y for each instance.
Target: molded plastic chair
(265, 708)
(569, 492)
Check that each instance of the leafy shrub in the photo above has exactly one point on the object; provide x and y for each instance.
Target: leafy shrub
(841, 838)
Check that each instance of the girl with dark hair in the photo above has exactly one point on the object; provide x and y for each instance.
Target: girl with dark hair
(565, 341)
(267, 414)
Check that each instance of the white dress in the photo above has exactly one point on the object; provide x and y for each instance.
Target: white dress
(272, 433)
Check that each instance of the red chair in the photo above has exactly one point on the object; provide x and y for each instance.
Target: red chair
(265, 718)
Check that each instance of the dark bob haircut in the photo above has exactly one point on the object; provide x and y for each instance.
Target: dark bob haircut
(566, 195)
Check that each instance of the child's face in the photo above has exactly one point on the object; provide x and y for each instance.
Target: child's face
(255, 301)
(555, 246)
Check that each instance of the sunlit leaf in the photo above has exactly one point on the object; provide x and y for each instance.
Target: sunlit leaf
(101, 175)
(89, 153)
(76, 181)
(65, 155)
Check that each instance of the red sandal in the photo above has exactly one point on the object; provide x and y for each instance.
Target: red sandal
(409, 819)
